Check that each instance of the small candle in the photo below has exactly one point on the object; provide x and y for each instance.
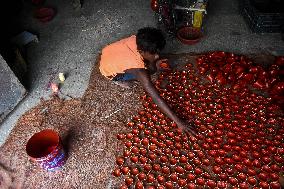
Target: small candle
(61, 77)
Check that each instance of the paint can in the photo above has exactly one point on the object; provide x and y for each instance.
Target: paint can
(45, 148)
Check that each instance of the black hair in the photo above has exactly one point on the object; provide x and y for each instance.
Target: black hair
(150, 40)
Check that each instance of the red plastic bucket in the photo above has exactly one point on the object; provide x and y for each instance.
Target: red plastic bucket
(44, 14)
(45, 148)
(189, 35)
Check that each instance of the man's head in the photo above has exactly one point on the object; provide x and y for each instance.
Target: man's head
(150, 41)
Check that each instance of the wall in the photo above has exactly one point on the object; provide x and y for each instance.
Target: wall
(11, 90)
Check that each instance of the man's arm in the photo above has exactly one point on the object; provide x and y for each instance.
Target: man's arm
(143, 77)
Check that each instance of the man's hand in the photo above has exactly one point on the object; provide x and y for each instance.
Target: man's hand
(187, 127)
(143, 77)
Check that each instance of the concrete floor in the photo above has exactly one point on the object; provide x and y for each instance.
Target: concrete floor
(71, 42)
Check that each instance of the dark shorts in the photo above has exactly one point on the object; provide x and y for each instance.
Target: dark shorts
(124, 77)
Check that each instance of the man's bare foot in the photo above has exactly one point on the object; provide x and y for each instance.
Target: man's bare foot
(124, 84)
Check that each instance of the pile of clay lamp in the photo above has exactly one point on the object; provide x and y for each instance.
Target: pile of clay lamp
(239, 71)
(239, 141)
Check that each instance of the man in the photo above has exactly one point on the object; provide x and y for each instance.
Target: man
(134, 58)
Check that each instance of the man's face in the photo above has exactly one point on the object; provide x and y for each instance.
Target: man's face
(149, 57)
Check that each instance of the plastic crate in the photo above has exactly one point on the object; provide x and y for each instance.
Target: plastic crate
(261, 22)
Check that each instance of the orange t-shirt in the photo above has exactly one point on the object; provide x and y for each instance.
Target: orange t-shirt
(120, 56)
